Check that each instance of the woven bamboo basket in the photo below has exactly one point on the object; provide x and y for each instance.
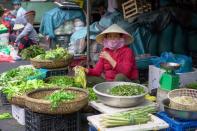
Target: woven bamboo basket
(36, 103)
(183, 92)
(51, 64)
(18, 100)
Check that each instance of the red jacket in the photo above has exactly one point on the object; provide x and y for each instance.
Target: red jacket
(125, 64)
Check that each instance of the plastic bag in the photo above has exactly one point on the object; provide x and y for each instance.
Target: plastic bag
(184, 61)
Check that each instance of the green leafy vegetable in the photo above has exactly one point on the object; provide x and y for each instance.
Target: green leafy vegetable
(192, 85)
(62, 81)
(60, 96)
(31, 52)
(56, 54)
(21, 87)
(126, 90)
(4, 116)
(92, 94)
(18, 74)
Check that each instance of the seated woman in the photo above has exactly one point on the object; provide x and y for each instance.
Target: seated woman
(116, 61)
(25, 34)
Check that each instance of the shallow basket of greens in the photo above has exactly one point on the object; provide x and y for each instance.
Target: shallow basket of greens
(120, 94)
(56, 58)
(56, 100)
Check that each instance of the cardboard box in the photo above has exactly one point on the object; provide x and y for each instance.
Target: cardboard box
(155, 74)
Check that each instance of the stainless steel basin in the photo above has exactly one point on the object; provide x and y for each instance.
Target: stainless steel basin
(118, 101)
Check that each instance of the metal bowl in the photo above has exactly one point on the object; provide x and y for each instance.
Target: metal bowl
(179, 114)
(118, 101)
(170, 66)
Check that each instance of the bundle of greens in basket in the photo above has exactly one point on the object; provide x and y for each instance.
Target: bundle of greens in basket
(21, 74)
(31, 52)
(57, 54)
(18, 88)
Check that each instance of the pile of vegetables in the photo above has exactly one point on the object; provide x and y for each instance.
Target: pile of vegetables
(31, 52)
(92, 94)
(18, 74)
(134, 117)
(192, 85)
(4, 116)
(56, 54)
(62, 81)
(18, 88)
(66, 81)
(126, 90)
(60, 96)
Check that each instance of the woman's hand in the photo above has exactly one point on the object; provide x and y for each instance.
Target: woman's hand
(107, 56)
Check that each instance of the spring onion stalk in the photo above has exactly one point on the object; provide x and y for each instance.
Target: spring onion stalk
(134, 117)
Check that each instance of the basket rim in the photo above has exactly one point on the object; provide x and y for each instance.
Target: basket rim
(58, 60)
(42, 101)
(183, 89)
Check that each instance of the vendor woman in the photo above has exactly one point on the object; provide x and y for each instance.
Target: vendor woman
(25, 34)
(116, 61)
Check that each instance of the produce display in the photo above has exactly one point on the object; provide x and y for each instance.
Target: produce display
(31, 52)
(134, 117)
(60, 96)
(18, 74)
(92, 94)
(80, 76)
(126, 90)
(192, 85)
(67, 81)
(185, 100)
(4, 116)
(56, 54)
(18, 88)
(62, 81)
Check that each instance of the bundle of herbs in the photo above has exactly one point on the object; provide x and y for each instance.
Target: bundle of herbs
(134, 117)
(62, 81)
(60, 96)
(56, 54)
(18, 88)
(31, 52)
(18, 74)
(126, 90)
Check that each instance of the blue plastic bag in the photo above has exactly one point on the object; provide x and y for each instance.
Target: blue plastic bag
(183, 60)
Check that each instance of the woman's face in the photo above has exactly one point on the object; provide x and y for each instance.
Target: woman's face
(113, 36)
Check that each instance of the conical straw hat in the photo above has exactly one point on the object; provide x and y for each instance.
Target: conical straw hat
(114, 29)
(18, 26)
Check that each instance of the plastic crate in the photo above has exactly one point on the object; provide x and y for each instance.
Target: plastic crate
(42, 122)
(42, 74)
(57, 72)
(91, 128)
(178, 125)
(4, 99)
